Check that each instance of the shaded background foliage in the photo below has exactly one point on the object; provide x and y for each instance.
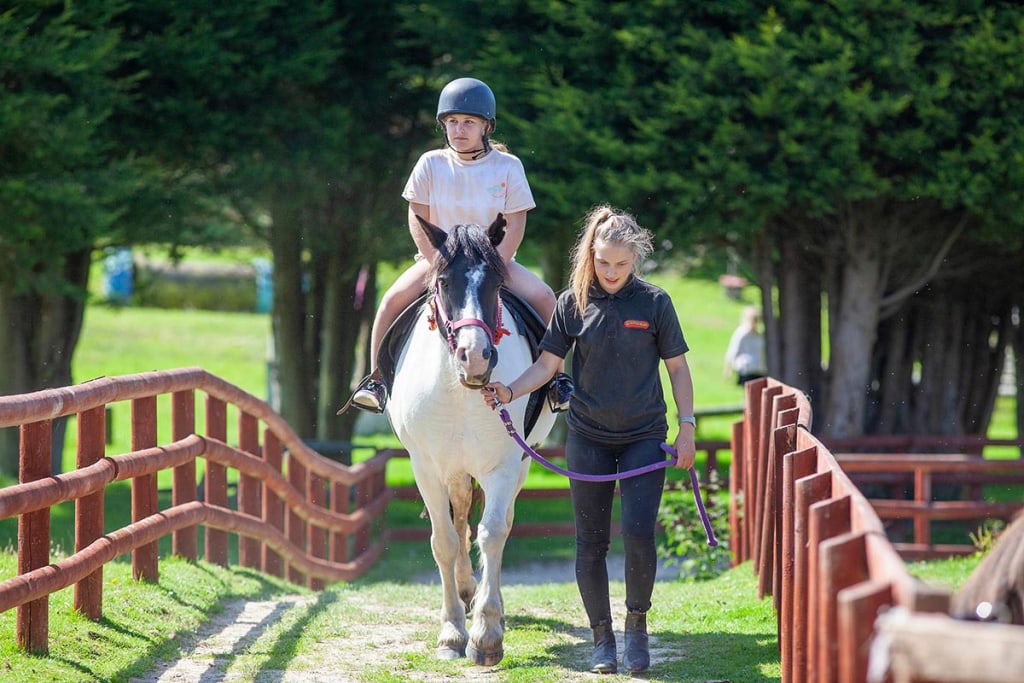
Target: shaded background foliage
(861, 161)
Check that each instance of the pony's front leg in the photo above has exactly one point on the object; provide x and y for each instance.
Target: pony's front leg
(445, 544)
(487, 634)
(460, 493)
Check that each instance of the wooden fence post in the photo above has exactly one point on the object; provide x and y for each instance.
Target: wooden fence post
(145, 558)
(249, 493)
(795, 465)
(737, 516)
(317, 534)
(273, 507)
(340, 503)
(809, 490)
(32, 628)
(858, 608)
(842, 563)
(365, 492)
(761, 472)
(92, 432)
(783, 440)
(827, 519)
(922, 495)
(185, 542)
(751, 448)
(295, 527)
(216, 481)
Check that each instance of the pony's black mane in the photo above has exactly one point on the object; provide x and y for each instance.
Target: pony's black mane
(473, 242)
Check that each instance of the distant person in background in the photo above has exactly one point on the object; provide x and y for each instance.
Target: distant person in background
(745, 356)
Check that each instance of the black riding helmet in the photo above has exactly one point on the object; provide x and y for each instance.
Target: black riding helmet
(468, 96)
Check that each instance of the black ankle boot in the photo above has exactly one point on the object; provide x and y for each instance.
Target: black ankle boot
(603, 659)
(637, 655)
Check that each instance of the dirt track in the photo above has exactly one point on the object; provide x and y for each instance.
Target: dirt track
(211, 656)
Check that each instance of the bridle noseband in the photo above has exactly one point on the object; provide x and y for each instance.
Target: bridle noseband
(449, 326)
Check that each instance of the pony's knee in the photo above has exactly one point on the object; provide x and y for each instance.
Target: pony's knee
(492, 533)
(445, 545)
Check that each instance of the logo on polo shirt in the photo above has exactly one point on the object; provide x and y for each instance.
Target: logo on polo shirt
(637, 325)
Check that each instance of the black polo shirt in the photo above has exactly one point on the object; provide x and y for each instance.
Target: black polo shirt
(617, 349)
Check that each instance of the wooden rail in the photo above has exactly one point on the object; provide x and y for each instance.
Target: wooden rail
(816, 544)
(922, 470)
(293, 517)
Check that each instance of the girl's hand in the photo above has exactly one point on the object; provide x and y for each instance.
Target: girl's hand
(686, 450)
(495, 393)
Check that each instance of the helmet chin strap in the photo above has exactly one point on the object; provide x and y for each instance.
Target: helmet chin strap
(477, 153)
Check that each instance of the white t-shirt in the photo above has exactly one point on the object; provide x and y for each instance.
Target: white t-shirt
(461, 192)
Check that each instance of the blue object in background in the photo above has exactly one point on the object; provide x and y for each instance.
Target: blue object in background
(264, 284)
(118, 271)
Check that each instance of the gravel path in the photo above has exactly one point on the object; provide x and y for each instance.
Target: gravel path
(209, 655)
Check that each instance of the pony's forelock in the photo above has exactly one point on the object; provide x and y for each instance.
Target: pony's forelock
(474, 243)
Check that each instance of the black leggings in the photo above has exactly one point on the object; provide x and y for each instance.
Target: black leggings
(592, 509)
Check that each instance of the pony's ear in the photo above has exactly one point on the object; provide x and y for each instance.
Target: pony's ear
(496, 232)
(436, 235)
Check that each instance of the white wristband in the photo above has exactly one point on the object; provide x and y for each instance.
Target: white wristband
(689, 419)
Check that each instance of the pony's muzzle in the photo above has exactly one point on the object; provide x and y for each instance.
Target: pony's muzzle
(479, 380)
(476, 357)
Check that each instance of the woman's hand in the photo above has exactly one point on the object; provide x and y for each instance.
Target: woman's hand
(495, 393)
(686, 450)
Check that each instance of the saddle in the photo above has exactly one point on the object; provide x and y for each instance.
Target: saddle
(527, 320)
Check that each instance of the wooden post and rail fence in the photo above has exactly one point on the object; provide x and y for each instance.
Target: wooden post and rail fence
(818, 546)
(821, 552)
(293, 514)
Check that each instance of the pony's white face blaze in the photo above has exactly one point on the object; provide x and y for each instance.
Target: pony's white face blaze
(474, 280)
(473, 347)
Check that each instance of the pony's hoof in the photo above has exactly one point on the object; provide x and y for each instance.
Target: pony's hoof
(449, 652)
(484, 658)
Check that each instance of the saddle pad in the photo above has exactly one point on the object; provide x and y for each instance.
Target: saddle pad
(527, 320)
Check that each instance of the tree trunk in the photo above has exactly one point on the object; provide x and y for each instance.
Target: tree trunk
(892, 378)
(344, 322)
(800, 313)
(289, 317)
(37, 339)
(852, 333)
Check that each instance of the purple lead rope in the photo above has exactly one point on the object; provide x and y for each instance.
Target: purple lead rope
(511, 429)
